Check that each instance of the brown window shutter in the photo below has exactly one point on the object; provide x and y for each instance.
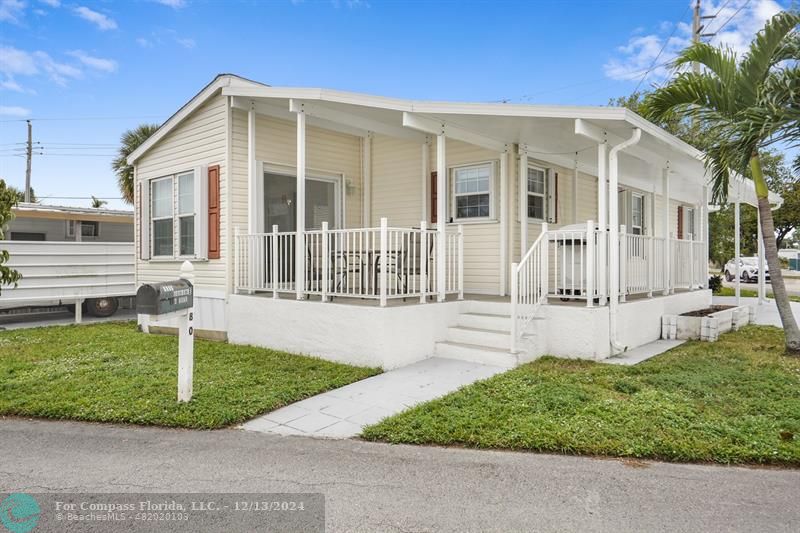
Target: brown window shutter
(555, 215)
(213, 212)
(434, 196)
(680, 222)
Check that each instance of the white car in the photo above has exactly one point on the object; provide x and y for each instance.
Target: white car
(748, 269)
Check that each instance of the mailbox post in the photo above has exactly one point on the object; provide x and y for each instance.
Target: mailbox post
(174, 299)
(186, 341)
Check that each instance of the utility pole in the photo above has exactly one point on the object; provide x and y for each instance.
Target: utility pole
(29, 153)
(696, 29)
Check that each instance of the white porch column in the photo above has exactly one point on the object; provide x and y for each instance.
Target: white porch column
(441, 213)
(704, 233)
(762, 278)
(575, 191)
(366, 164)
(665, 230)
(523, 201)
(602, 223)
(252, 176)
(299, 248)
(503, 221)
(426, 179)
(736, 250)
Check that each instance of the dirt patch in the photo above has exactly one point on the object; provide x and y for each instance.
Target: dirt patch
(708, 310)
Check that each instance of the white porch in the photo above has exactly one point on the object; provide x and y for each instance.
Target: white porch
(324, 255)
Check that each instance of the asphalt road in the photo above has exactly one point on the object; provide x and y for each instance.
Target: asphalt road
(377, 487)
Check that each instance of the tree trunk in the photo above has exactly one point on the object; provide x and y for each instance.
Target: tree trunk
(790, 328)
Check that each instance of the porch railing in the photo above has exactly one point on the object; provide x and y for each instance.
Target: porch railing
(380, 263)
(564, 264)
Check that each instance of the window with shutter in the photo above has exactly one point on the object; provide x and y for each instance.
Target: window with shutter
(680, 222)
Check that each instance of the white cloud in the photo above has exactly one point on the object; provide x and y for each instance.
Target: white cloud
(60, 73)
(100, 20)
(97, 63)
(633, 60)
(144, 43)
(11, 85)
(51, 3)
(11, 10)
(174, 4)
(14, 111)
(186, 42)
(14, 61)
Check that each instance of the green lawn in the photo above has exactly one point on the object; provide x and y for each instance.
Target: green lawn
(113, 373)
(749, 293)
(733, 401)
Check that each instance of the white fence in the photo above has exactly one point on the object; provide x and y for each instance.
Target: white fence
(371, 263)
(68, 271)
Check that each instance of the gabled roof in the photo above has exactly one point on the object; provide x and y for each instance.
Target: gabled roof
(220, 81)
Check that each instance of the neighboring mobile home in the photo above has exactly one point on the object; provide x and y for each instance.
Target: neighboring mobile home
(382, 231)
(39, 222)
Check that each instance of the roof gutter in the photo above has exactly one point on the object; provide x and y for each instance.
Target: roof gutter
(613, 253)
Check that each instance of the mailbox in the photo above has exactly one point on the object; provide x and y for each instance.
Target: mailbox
(165, 297)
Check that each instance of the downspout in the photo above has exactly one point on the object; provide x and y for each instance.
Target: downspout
(613, 259)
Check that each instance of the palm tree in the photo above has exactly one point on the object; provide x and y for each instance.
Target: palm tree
(97, 203)
(130, 141)
(745, 106)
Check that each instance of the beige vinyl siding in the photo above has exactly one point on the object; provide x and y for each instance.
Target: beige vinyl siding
(198, 140)
(396, 181)
(481, 238)
(327, 152)
(276, 143)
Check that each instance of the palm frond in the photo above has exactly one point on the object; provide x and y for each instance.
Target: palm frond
(720, 61)
(768, 44)
(690, 94)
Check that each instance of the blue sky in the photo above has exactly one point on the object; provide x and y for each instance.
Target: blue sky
(88, 70)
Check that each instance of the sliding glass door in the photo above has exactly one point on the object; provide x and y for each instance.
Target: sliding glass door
(280, 202)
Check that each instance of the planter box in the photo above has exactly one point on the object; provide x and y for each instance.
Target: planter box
(705, 328)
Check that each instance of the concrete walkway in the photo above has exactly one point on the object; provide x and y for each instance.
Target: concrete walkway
(766, 313)
(643, 353)
(342, 413)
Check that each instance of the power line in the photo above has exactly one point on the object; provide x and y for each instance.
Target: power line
(141, 117)
(729, 18)
(663, 46)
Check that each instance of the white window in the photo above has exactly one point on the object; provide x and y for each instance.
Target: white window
(186, 199)
(689, 225)
(537, 197)
(88, 228)
(162, 216)
(473, 191)
(637, 214)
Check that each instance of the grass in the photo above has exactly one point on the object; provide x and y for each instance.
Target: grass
(733, 401)
(748, 293)
(113, 373)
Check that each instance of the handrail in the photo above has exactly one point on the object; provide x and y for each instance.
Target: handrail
(528, 286)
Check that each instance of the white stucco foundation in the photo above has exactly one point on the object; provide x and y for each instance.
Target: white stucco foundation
(388, 337)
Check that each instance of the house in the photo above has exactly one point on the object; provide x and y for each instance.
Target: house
(381, 231)
(39, 222)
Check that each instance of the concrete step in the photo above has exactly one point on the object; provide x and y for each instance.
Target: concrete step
(480, 337)
(485, 321)
(487, 307)
(476, 354)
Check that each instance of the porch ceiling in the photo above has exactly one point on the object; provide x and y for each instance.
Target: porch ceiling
(549, 138)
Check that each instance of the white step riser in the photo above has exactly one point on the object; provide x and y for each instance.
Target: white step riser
(501, 341)
(497, 323)
(494, 308)
(472, 355)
